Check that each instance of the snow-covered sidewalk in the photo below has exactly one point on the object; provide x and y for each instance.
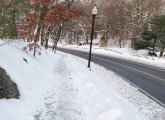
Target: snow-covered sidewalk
(81, 94)
(61, 87)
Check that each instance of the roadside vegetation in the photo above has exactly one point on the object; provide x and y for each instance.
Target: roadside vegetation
(137, 24)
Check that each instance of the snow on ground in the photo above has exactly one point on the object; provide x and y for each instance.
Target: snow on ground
(61, 87)
(139, 56)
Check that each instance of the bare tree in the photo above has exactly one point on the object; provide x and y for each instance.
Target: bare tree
(124, 19)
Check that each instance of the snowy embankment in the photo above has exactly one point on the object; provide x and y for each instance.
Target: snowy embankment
(60, 87)
(139, 56)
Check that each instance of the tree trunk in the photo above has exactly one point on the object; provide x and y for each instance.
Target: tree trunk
(47, 37)
(58, 37)
(13, 25)
(120, 42)
(55, 47)
(161, 54)
(34, 54)
(42, 43)
(46, 44)
(36, 38)
(86, 37)
(42, 40)
(133, 40)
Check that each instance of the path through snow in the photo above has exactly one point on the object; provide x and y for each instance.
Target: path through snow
(62, 102)
(80, 94)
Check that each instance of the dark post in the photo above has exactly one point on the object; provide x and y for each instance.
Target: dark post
(58, 38)
(89, 60)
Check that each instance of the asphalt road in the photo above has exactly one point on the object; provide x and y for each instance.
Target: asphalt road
(148, 79)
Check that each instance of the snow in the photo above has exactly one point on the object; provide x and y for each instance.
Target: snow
(83, 100)
(139, 56)
(27, 77)
(61, 87)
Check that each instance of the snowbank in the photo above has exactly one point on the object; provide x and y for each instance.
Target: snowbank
(33, 79)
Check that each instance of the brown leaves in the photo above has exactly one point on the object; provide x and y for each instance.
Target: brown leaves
(35, 3)
(30, 47)
(10, 3)
(32, 18)
(60, 12)
(26, 27)
(50, 13)
(7, 1)
(40, 3)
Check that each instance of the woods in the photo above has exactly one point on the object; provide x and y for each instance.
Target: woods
(119, 22)
(82, 59)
